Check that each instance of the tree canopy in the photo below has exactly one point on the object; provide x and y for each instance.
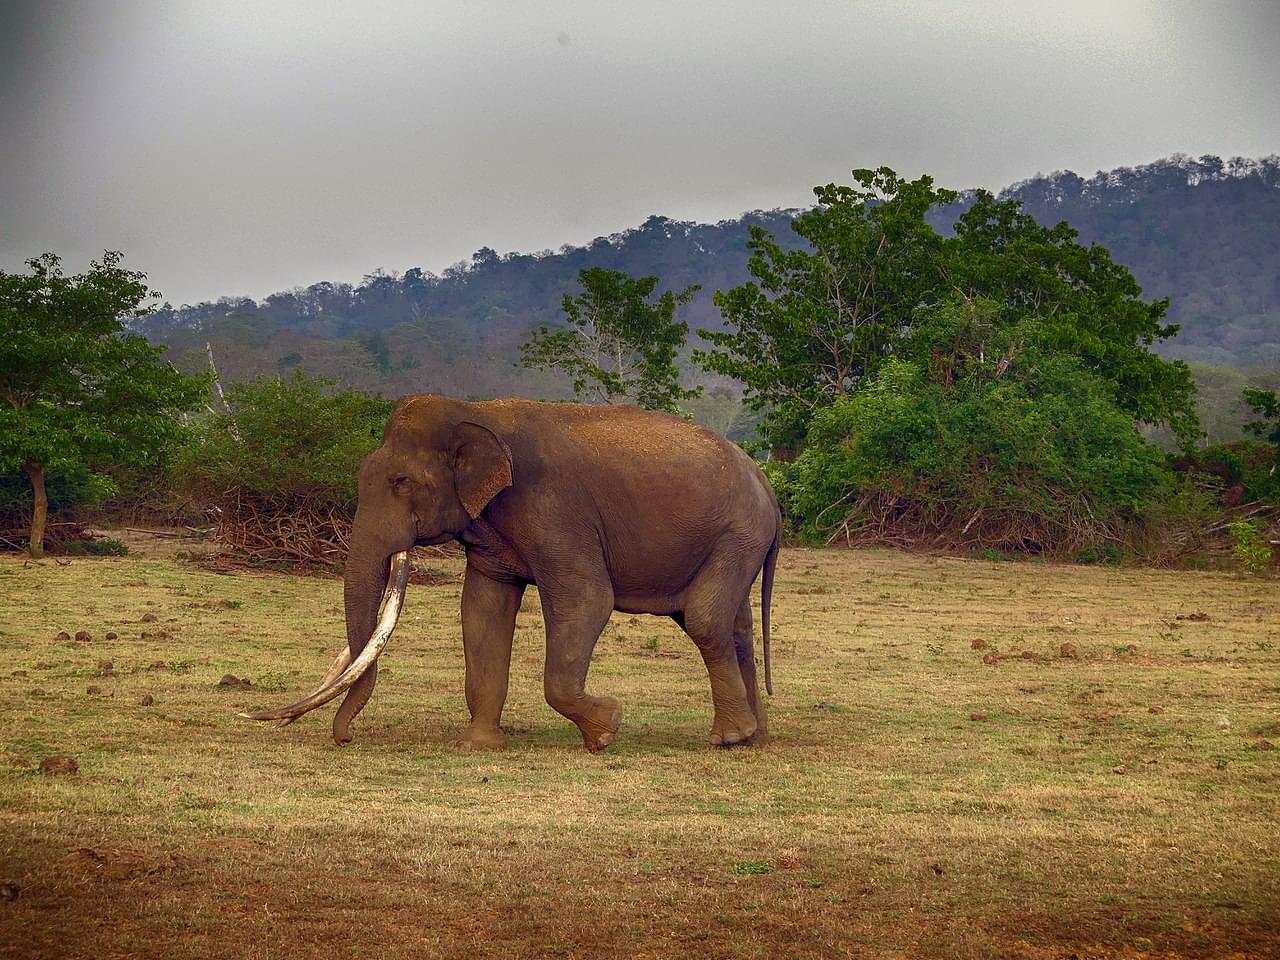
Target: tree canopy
(617, 345)
(814, 323)
(78, 392)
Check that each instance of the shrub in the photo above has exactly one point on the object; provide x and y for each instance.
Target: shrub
(1248, 546)
(98, 547)
(1029, 456)
(279, 469)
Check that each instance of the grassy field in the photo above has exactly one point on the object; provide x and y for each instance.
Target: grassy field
(924, 796)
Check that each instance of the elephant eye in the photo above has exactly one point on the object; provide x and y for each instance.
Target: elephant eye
(401, 483)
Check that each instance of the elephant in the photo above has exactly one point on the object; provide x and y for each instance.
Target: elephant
(603, 508)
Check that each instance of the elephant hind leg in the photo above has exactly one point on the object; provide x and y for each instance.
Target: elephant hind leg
(710, 620)
(744, 647)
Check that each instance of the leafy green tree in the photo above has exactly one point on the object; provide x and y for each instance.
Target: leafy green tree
(814, 322)
(618, 345)
(1087, 305)
(78, 391)
(1266, 406)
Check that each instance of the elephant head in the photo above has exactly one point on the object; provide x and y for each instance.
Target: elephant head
(434, 473)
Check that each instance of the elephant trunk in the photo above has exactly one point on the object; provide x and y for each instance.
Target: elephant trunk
(364, 582)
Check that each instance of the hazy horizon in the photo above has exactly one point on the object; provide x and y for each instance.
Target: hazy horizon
(234, 150)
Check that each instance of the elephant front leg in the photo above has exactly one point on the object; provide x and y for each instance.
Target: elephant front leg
(573, 626)
(489, 610)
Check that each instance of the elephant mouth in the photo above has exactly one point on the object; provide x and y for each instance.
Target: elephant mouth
(344, 672)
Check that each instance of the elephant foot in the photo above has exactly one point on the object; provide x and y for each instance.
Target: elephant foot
(733, 731)
(481, 738)
(599, 726)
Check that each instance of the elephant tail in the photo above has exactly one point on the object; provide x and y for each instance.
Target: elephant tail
(766, 598)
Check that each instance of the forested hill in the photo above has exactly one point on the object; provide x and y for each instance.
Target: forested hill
(1205, 233)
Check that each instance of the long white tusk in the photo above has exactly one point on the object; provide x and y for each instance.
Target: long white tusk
(398, 578)
(340, 663)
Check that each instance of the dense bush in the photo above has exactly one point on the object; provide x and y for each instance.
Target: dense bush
(278, 469)
(285, 437)
(976, 436)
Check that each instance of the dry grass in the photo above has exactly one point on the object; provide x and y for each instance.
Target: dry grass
(1117, 804)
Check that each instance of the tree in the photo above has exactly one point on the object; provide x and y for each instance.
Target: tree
(1266, 406)
(814, 322)
(618, 345)
(79, 392)
(1088, 305)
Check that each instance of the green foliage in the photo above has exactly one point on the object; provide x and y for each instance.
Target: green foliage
(293, 438)
(815, 324)
(1090, 554)
(1247, 466)
(1249, 547)
(1088, 305)
(978, 427)
(101, 547)
(1266, 407)
(815, 321)
(617, 345)
(76, 391)
(77, 489)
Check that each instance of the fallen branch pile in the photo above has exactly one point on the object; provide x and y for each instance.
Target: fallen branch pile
(280, 528)
(308, 532)
(880, 519)
(15, 532)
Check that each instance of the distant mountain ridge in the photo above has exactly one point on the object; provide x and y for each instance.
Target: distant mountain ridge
(1204, 232)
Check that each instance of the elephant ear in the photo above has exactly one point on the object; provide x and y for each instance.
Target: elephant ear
(481, 466)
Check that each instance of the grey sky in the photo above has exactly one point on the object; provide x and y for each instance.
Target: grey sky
(243, 148)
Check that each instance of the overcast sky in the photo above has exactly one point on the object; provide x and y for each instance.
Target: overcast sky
(243, 148)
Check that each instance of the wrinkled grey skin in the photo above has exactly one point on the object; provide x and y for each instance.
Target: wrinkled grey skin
(602, 507)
